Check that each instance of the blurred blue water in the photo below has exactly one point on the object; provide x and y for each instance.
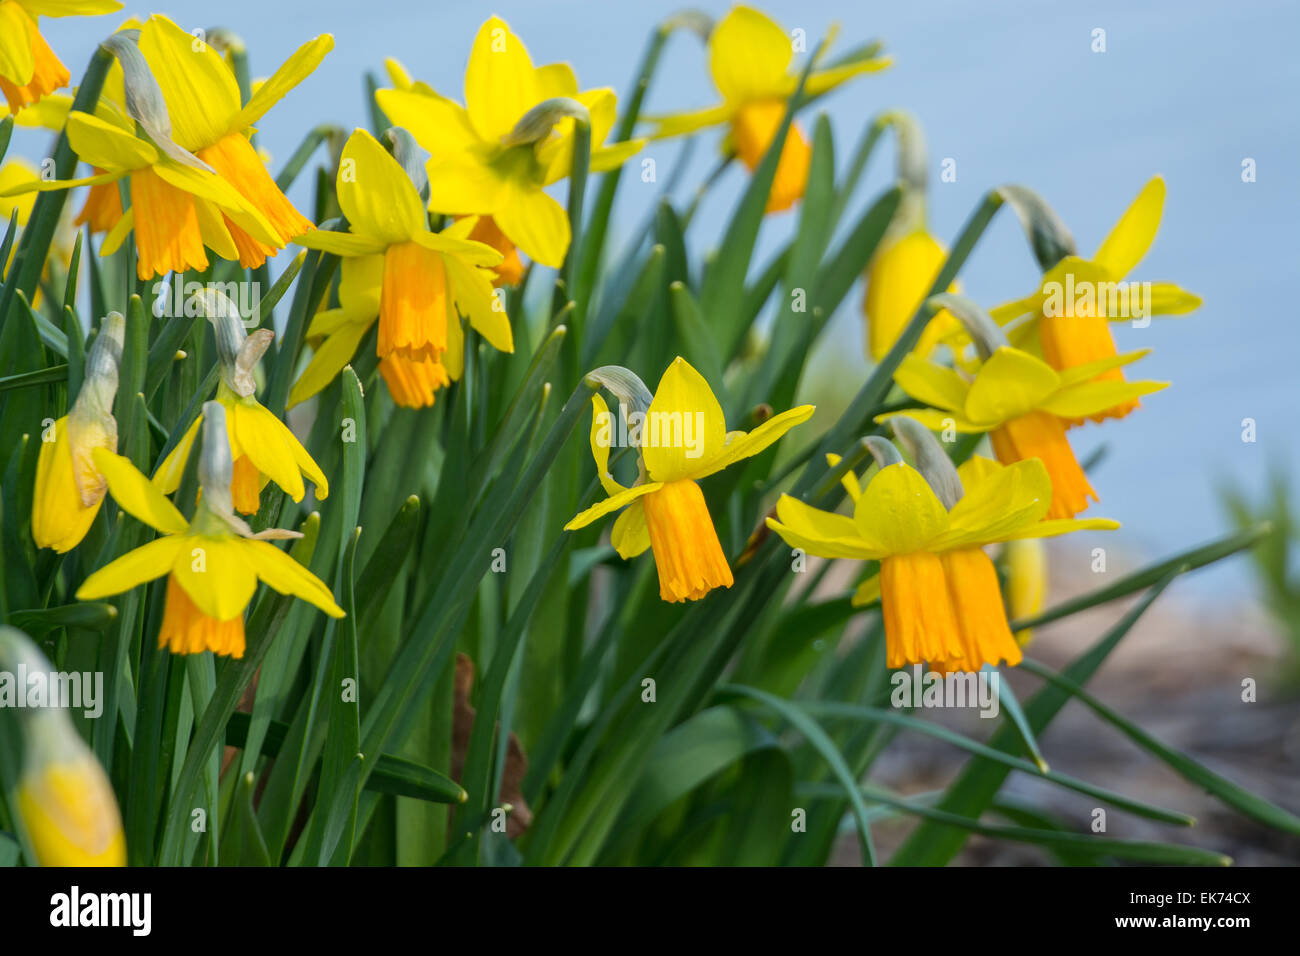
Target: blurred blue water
(1012, 92)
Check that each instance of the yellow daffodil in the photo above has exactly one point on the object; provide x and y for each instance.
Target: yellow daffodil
(750, 61)
(424, 279)
(176, 207)
(263, 448)
(482, 165)
(102, 209)
(65, 808)
(683, 439)
(898, 279)
(208, 120)
(69, 487)
(938, 590)
(213, 561)
(29, 69)
(1073, 329)
(15, 173)
(1021, 401)
(1026, 566)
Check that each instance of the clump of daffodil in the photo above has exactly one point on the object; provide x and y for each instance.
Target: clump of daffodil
(487, 161)
(29, 69)
(213, 562)
(904, 268)
(927, 527)
(682, 437)
(1019, 400)
(65, 808)
(69, 487)
(263, 448)
(425, 281)
(749, 59)
(1073, 329)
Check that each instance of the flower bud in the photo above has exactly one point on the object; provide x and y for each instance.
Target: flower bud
(65, 806)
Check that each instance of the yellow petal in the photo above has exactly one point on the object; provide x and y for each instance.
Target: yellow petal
(333, 354)
(1091, 398)
(500, 85)
(868, 592)
(136, 496)
(932, 384)
(70, 8)
(1058, 526)
(680, 124)
(1008, 499)
(17, 64)
(849, 479)
(899, 510)
(1009, 384)
(823, 81)
(684, 429)
(342, 243)
(102, 144)
(282, 573)
(132, 569)
(740, 445)
(200, 90)
(535, 223)
(749, 55)
(167, 478)
(216, 573)
(291, 72)
(631, 534)
(439, 125)
(460, 186)
(611, 504)
(823, 533)
(603, 429)
(375, 193)
(262, 437)
(1132, 236)
(938, 420)
(1166, 298)
(471, 290)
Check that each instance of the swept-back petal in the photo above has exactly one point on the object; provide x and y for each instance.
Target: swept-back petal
(740, 445)
(292, 71)
(135, 495)
(1007, 499)
(684, 429)
(132, 569)
(282, 573)
(1132, 236)
(611, 504)
(933, 384)
(438, 124)
(216, 574)
(749, 55)
(199, 88)
(535, 223)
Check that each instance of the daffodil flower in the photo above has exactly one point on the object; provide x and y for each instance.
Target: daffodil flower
(208, 120)
(939, 591)
(424, 280)
(898, 280)
(29, 69)
(684, 439)
(65, 808)
(69, 487)
(262, 446)
(1026, 565)
(213, 562)
(478, 168)
(749, 59)
(1076, 332)
(1021, 400)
